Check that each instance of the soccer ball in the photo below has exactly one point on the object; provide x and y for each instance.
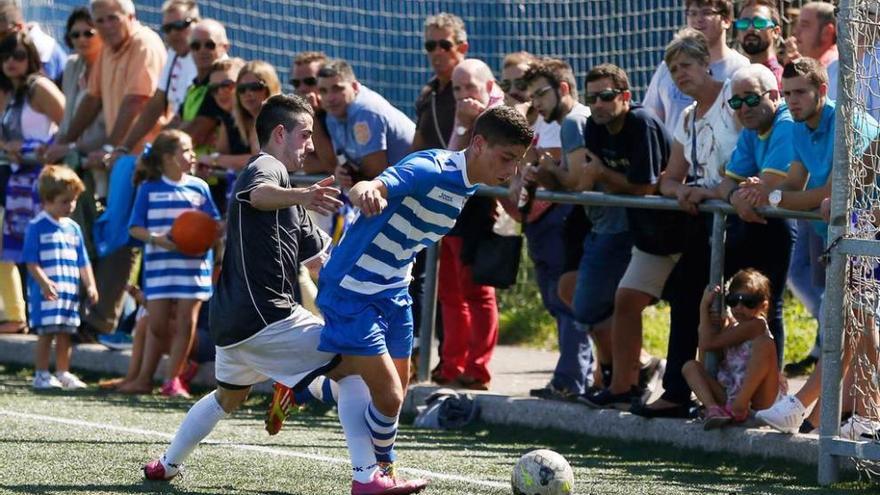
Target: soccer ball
(542, 472)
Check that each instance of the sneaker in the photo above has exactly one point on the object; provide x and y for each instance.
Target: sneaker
(859, 427)
(69, 381)
(280, 407)
(786, 415)
(550, 392)
(156, 471)
(651, 377)
(800, 368)
(174, 388)
(385, 482)
(117, 341)
(604, 399)
(716, 417)
(46, 381)
(807, 427)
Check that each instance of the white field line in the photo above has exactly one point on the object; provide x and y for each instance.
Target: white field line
(243, 446)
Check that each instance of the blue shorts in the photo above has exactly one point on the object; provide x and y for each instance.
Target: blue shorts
(362, 327)
(603, 264)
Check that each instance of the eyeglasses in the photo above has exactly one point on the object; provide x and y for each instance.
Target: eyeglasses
(757, 22)
(751, 100)
(750, 301)
(196, 45)
(227, 84)
(541, 92)
(431, 45)
(177, 25)
(74, 35)
(251, 86)
(704, 13)
(308, 81)
(518, 84)
(605, 95)
(18, 55)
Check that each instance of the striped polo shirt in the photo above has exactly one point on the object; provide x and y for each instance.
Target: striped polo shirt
(58, 247)
(426, 192)
(172, 274)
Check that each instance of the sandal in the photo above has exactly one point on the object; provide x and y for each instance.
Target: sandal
(716, 417)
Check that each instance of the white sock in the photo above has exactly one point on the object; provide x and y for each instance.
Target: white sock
(354, 398)
(202, 417)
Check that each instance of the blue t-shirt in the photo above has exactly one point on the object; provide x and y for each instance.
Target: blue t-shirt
(814, 148)
(426, 192)
(371, 124)
(58, 247)
(571, 131)
(172, 274)
(771, 152)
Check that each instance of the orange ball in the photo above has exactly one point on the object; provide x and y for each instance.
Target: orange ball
(193, 232)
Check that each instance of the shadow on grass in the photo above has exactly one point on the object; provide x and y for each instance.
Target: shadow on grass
(155, 487)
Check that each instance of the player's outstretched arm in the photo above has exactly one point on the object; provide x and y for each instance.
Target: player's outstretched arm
(369, 196)
(320, 197)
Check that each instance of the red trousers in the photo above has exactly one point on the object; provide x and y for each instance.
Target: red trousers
(470, 317)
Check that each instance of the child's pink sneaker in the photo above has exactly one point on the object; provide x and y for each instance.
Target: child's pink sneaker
(175, 388)
(384, 482)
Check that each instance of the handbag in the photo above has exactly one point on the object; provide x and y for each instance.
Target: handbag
(496, 260)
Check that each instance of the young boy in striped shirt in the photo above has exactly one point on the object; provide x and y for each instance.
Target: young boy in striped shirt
(56, 260)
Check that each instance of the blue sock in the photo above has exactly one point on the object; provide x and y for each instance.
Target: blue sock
(383, 429)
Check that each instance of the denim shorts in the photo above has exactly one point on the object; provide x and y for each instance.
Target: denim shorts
(603, 264)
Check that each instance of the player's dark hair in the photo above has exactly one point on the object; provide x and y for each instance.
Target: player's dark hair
(285, 110)
(504, 125)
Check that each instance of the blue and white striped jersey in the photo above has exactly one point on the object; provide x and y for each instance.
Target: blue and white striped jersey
(171, 274)
(58, 247)
(426, 192)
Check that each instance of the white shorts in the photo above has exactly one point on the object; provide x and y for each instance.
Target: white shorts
(285, 351)
(648, 272)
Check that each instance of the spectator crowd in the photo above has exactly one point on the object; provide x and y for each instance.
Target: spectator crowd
(103, 148)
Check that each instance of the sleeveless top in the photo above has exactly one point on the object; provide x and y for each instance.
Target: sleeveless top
(20, 122)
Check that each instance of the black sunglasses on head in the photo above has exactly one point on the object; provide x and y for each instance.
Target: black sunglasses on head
(308, 81)
(18, 55)
(750, 301)
(177, 25)
(251, 86)
(605, 95)
(88, 33)
(196, 45)
(518, 84)
(432, 45)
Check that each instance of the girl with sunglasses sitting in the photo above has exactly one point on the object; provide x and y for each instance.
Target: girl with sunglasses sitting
(748, 374)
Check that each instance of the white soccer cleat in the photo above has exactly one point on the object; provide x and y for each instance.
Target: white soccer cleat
(786, 415)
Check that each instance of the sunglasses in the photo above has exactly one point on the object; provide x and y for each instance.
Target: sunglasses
(227, 84)
(74, 35)
(605, 95)
(757, 22)
(177, 25)
(308, 81)
(197, 45)
(431, 45)
(251, 86)
(750, 301)
(518, 84)
(751, 100)
(17, 55)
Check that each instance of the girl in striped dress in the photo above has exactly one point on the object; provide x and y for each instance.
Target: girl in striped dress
(172, 281)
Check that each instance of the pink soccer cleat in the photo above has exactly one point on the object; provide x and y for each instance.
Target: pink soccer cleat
(155, 471)
(384, 482)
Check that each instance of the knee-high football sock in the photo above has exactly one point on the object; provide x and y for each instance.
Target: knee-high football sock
(202, 417)
(354, 398)
(322, 389)
(383, 430)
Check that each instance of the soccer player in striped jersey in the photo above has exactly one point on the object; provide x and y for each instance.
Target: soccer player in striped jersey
(173, 281)
(363, 287)
(56, 259)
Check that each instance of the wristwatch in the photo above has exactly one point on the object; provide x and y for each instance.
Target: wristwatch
(775, 197)
(461, 130)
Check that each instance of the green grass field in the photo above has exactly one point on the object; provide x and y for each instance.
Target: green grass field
(94, 443)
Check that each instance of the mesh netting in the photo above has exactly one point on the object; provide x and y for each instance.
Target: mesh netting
(861, 300)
